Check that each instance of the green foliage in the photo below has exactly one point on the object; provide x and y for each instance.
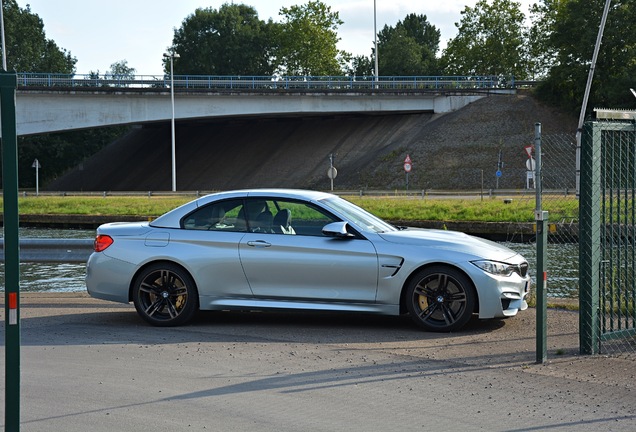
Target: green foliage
(409, 48)
(491, 41)
(93, 205)
(361, 66)
(307, 41)
(120, 71)
(57, 152)
(570, 33)
(540, 53)
(28, 49)
(402, 56)
(228, 41)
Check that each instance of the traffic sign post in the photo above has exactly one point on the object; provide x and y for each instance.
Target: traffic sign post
(37, 166)
(500, 165)
(530, 167)
(408, 166)
(332, 172)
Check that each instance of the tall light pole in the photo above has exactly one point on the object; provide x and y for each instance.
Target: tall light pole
(172, 55)
(375, 34)
(4, 48)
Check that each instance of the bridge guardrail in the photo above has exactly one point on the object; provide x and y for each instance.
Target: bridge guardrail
(53, 250)
(192, 82)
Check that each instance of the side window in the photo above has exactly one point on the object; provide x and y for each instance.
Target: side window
(293, 217)
(258, 215)
(221, 216)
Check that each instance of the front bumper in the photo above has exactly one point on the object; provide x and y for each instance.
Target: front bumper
(500, 296)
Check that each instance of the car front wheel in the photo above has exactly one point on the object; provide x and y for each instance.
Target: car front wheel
(164, 295)
(440, 299)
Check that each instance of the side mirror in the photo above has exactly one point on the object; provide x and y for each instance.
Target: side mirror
(337, 229)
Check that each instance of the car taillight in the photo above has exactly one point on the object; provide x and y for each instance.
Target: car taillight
(102, 242)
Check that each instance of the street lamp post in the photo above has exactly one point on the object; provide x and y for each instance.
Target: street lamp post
(172, 55)
(375, 36)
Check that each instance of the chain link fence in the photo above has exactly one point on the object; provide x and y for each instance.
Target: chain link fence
(591, 249)
(560, 201)
(608, 243)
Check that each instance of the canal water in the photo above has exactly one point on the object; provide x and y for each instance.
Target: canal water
(69, 277)
(51, 277)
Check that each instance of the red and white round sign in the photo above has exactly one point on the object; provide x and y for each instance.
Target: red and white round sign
(408, 165)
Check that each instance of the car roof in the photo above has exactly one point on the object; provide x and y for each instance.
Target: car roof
(172, 218)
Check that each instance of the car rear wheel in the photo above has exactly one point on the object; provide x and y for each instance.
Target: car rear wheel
(440, 299)
(164, 295)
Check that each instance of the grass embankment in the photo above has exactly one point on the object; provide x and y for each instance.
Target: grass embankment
(390, 208)
(98, 205)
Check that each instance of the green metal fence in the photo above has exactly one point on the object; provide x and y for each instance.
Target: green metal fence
(607, 238)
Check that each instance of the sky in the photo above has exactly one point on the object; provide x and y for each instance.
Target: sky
(140, 31)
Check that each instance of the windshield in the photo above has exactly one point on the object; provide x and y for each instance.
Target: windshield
(357, 216)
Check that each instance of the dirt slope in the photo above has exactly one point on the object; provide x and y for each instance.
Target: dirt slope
(448, 151)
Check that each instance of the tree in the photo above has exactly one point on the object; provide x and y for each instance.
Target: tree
(541, 54)
(361, 66)
(58, 152)
(228, 41)
(120, 71)
(572, 51)
(490, 41)
(401, 56)
(409, 48)
(307, 41)
(28, 49)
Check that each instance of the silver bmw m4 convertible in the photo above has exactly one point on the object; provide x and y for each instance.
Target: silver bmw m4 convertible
(276, 249)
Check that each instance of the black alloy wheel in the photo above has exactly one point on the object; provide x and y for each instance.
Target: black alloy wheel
(440, 299)
(164, 295)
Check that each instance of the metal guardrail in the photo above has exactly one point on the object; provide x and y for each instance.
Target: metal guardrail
(423, 193)
(53, 250)
(266, 83)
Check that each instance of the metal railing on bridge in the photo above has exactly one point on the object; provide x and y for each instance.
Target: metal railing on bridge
(265, 83)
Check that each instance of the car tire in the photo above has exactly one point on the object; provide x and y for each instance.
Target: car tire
(165, 295)
(440, 299)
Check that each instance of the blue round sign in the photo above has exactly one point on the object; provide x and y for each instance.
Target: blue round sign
(498, 173)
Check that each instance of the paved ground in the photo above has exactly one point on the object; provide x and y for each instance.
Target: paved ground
(93, 365)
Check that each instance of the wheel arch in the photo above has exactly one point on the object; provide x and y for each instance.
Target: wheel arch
(415, 271)
(155, 262)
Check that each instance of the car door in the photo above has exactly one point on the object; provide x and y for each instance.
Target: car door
(305, 265)
(208, 244)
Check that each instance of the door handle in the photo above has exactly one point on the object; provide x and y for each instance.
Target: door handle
(259, 244)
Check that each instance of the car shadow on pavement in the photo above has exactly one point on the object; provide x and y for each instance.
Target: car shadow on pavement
(108, 322)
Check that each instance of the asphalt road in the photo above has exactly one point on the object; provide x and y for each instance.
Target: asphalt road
(89, 365)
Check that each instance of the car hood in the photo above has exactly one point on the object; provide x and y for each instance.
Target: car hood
(450, 240)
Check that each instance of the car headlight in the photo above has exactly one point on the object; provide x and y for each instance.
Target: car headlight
(495, 267)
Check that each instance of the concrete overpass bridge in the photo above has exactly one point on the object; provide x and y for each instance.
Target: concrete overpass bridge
(52, 103)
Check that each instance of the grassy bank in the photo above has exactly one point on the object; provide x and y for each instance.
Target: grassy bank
(390, 208)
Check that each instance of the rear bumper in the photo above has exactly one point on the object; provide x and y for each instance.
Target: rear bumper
(108, 278)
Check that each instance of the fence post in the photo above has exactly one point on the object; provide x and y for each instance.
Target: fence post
(541, 218)
(8, 85)
(589, 239)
